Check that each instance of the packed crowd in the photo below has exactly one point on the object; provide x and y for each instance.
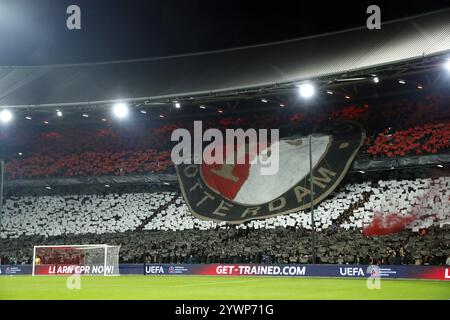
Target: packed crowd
(401, 220)
(415, 126)
(89, 164)
(251, 245)
(418, 140)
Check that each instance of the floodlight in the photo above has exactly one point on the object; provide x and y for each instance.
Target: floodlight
(5, 116)
(447, 64)
(306, 90)
(120, 110)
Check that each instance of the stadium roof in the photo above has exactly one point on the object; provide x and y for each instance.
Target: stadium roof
(348, 51)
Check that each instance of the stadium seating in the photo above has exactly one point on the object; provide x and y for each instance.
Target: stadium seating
(54, 216)
(364, 220)
(396, 127)
(427, 139)
(358, 203)
(89, 164)
(159, 225)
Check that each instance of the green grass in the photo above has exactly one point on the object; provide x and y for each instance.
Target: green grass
(211, 287)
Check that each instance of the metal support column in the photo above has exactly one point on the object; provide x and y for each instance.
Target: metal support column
(311, 187)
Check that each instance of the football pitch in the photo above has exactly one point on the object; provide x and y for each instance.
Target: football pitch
(210, 287)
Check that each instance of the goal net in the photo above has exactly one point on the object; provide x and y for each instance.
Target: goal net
(90, 259)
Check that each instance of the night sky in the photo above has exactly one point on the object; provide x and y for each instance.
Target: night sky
(34, 31)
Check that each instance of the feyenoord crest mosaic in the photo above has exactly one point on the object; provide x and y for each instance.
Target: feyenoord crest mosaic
(239, 192)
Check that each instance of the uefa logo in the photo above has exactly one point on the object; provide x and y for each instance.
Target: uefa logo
(374, 280)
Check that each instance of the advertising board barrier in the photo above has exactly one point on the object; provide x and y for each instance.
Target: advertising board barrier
(273, 270)
(295, 270)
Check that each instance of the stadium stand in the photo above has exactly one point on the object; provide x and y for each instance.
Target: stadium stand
(397, 218)
(427, 139)
(395, 128)
(352, 224)
(54, 216)
(89, 164)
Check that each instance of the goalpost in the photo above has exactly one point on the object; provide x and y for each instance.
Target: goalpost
(88, 259)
